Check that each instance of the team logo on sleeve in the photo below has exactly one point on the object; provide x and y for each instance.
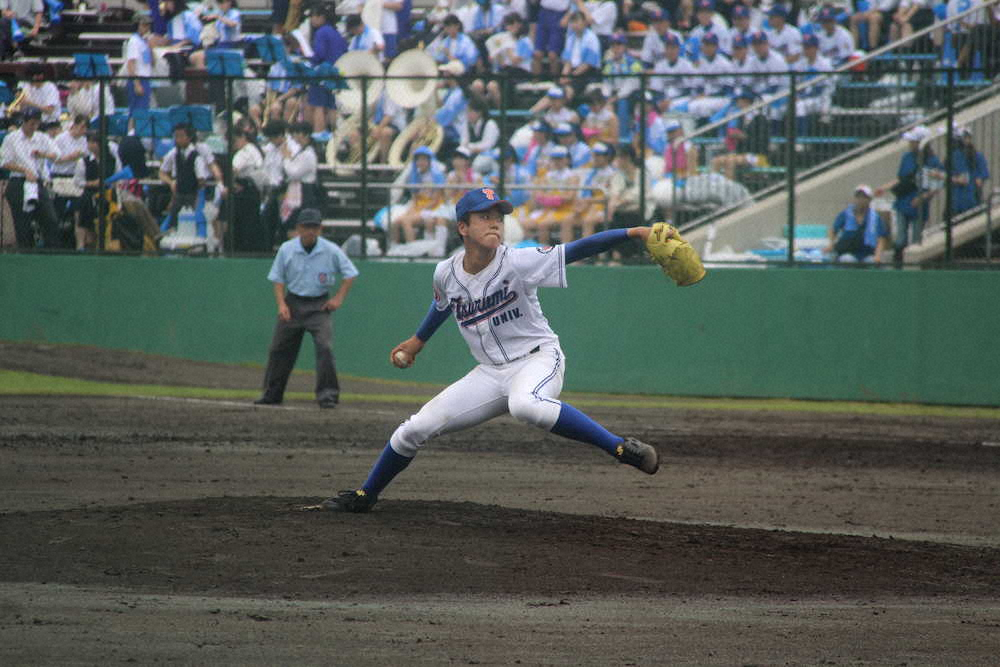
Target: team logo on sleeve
(545, 250)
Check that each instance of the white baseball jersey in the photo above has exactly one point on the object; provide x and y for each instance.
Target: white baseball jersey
(710, 86)
(788, 42)
(672, 78)
(774, 65)
(837, 46)
(497, 309)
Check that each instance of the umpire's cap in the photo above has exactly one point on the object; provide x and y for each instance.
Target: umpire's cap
(309, 216)
(480, 199)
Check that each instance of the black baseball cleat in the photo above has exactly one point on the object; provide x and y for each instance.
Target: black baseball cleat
(636, 453)
(266, 401)
(357, 501)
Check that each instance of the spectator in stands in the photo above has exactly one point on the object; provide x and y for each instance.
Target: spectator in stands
(88, 177)
(656, 129)
(479, 133)
(622, 84)
(859, 233)
(361, 37)
(70, 147)
(969, 172)
(867, 26)
(228, 27)
(41, 94)
(23, 153)
(741, 26)
(783, 38)
(710, 23)
(20, 22)
(550, 35)
(714, 83)
(742, 65)
(423, 170)
(390, 120)
(139, 66)
(553, 108)
(250, 233)
(284, 97)
(84, 99)
(515, 173)
(536, 157)
(451, 113)
(481, 20)
(390, 26)
(510, 53)
(601, 17)
(653, 45)
(552, 208)
(183, 25)
(836, 43)
(595, 206)
(327, 45)
(747, 139)
(453, 44)
(579, 152)
(911, 16)
(912, 189)
(186, 169)
(970, 35)
(769, 68)
(301, 169)
(815, 100)
(673, 77)
(277, 145)
(680, 159)
(600, 123)
(581, 55)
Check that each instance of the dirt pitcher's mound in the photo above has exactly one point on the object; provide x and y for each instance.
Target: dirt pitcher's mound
(269, 547)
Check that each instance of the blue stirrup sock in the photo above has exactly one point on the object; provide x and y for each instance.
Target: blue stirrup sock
(388, 465)
(575, 425)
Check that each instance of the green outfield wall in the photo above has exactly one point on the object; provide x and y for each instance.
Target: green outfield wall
(910, 336)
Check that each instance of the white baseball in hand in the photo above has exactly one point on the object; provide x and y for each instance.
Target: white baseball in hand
(402, 358)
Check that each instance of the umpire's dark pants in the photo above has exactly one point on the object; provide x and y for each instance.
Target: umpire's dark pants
(307, 315)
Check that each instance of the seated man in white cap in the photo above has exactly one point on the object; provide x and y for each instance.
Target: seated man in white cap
(553, 108)
(859, 233)
(579, 152)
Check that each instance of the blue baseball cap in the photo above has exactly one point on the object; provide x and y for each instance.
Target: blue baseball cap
(539, 126)
(739, 43)
(671, 40)
(827, 14)
(710, 38)
(706, 5)
(759, 37)
(741, 12)
(481, 199)
(425, 151)
(778, 10)
(619, 38)
(563, 129)
(658, 14)
(559, 152)
(746, 93)
(810, 40)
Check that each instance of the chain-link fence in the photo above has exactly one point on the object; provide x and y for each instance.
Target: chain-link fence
(885, 157)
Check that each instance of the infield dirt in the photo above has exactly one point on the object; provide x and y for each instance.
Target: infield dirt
(146, 531)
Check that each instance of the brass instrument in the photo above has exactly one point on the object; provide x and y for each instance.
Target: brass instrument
(411, 93)
(15, 105)
(344, 147)
(355, 64)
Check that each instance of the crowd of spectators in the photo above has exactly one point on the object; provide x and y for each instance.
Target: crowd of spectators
(575, 157)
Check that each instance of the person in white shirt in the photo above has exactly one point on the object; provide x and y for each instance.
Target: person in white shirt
(363, 38)
(835, 41)
(278, 143)
(71, 145)
(672, 76)
(971, 34)
(20, 22)
(711, 23)
(249, 232)
(390, 26)
(85, 99)
(742, 28)
(653, 44)
(301, 172)
(878, 16)
(601, 16)
(550, 34)
(479, 133)
(553, 108)
(581, 56)
(783, 38)
(816, 99)
(41, 94)
(139, 65)
(711, 92)
(185, 169)
(741, 64)
(771, 71)
(23, 153)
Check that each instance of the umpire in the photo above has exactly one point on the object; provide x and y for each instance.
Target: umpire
(303, 271)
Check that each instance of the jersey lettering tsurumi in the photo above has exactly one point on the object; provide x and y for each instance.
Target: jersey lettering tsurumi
(497, 309)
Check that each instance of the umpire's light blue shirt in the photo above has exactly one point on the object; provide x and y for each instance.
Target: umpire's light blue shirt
(310, 273)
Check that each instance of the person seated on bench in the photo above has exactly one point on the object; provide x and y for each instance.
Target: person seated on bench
(20, 22)
(859, 234)
(228, 24)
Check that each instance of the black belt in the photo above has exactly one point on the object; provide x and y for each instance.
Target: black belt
(324, 297)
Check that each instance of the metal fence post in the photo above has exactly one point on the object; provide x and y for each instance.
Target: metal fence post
(949, 165)
(229, 237)
(642, 148)
(790, 139)
(501, 176)
(102, 140)
(363, 129)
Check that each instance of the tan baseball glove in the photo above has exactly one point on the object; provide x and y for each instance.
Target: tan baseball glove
(675, 256)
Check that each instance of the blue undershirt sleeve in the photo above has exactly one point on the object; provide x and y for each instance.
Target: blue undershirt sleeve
(594, 244)
(432, 321)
